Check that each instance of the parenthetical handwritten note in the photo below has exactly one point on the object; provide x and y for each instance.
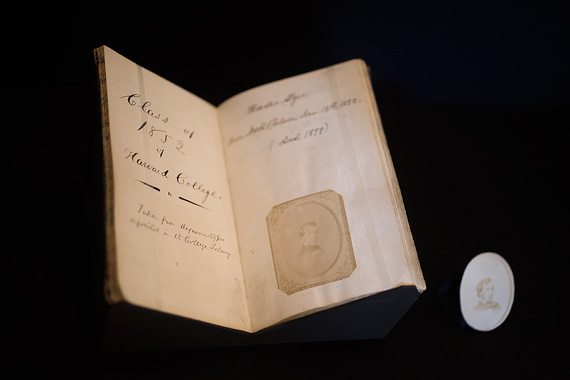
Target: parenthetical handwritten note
(291, 116)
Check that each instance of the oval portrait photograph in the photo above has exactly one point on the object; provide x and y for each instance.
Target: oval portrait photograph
(487, 291)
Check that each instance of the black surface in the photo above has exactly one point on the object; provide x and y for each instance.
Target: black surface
(126, 328)
(475, 104)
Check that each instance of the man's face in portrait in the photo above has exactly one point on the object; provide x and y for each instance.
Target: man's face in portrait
(487, 293)
(311, 235)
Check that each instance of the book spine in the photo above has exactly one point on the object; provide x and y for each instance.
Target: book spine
(112, 291)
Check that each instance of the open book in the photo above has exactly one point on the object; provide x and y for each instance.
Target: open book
(280, 202)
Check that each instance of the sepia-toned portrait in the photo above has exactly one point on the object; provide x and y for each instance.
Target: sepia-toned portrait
(487, 291)
(310, 242)
(484, 290)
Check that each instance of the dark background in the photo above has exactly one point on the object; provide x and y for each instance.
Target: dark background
(475, 105)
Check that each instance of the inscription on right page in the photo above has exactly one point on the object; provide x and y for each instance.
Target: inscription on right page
(286, 144)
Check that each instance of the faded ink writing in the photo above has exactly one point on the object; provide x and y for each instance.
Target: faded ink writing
(279, 121)
(147, 219)
(288, 100)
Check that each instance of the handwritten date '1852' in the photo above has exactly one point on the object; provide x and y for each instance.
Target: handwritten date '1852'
(163, 135)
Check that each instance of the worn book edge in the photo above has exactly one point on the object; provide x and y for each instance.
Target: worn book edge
(395, 192)
(112, 290)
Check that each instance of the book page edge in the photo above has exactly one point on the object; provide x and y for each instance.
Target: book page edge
(396, 194)
(112, 289)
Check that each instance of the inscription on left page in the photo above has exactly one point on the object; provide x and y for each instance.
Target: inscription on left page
(176, 244)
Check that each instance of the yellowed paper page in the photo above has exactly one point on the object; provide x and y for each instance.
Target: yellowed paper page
(315, 210)
(176, 247)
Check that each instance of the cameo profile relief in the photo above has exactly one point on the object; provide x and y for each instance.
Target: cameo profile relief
(486, 291)
(310, 242)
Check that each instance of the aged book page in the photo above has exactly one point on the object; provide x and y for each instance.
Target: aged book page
(170, 220)
(280, 202)
(317, 207)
